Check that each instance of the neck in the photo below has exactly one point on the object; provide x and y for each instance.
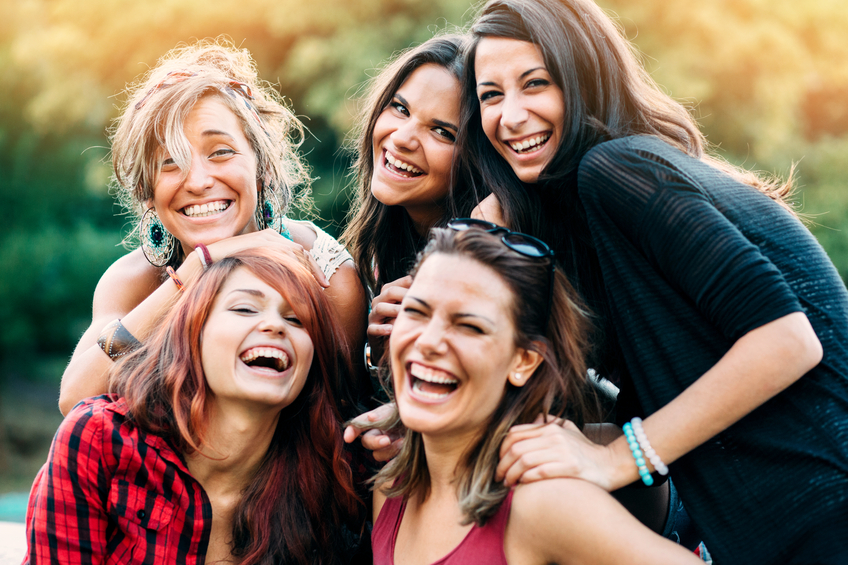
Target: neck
(445, 455)
(235, 443)
(425, 218)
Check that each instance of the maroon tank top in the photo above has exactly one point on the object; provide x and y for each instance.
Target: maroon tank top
(483, 546)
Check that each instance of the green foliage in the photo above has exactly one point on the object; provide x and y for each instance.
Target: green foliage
(768, 80)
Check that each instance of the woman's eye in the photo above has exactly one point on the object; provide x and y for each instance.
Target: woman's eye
(445, 133)
(295, 321)
(243, 310)
(399, 108)
(223, 152)
(488, 95)
(537, 82)
(168, 162)
(411, 311)
(472, 328)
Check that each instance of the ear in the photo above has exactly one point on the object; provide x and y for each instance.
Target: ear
(525, 364)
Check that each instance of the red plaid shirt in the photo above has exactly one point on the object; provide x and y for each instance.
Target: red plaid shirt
(112, 493)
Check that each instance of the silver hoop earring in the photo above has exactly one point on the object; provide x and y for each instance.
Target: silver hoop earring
(157, 244)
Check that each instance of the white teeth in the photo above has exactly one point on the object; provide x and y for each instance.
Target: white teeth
(398, 164)
(522, 146)
(254, 353)
(431, 375)
(416, 386)
(208, 209)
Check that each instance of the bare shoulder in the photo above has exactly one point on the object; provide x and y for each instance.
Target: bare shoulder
(574, 521)
(489, 209)
(127, 282)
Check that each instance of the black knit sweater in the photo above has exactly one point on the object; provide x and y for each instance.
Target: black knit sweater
(691, 260)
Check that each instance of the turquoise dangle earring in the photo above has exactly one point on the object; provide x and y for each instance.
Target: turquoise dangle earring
(267, 214)
(157, 243)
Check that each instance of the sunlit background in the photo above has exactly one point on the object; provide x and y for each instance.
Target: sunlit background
(767, 79)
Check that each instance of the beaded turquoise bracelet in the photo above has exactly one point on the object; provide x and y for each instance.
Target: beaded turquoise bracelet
(649, 452)
(641, 464)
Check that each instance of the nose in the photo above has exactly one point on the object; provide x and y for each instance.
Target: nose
(198, 178)
(272, 324)
(513, 113)
(431, 340)
(406, 136)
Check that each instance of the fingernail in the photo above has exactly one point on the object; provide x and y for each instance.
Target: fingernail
(384, 441)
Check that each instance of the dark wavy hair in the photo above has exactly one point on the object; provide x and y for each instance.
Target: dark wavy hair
(380, 236)
(302, 498)
(559, 386)
(607, 94)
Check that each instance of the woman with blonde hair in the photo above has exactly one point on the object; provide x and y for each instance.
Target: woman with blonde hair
(204, 156)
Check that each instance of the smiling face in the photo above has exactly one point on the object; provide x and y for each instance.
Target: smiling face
(217, 198)
(521, 107)
(413, 143)
(453, 347)
(254, 349)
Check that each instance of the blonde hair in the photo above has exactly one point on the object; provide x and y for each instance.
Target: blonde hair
(158, 104)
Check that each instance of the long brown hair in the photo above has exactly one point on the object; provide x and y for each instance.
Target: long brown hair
(380, 236)
(302, 496)
(557, 330)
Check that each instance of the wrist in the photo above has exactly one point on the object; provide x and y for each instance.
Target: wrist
(190, 269)
(623, 470)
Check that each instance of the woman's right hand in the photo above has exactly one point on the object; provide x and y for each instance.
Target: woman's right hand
(267, 238)
(384, 310)
(384, 445)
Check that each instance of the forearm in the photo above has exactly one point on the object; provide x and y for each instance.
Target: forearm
(760, 364)
(87, 373)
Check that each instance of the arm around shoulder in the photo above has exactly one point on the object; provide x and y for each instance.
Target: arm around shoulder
(570, 521)
(122, 288)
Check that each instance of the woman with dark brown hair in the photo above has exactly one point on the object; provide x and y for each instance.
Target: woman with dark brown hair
(716, 310)
(221, 439)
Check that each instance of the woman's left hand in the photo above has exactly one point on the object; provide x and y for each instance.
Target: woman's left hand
(553, 449)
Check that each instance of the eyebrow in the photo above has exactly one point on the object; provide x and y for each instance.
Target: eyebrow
(216, 132)
(524, 74)
(439, 123)
(251, 291)
(458, 314)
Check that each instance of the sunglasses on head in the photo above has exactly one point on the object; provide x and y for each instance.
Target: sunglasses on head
(521, 243)
(175, 77)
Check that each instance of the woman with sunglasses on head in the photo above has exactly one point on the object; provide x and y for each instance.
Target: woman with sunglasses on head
(719, 314)
(486, 340)
(404, 149)
(204, 155)
(221, 441)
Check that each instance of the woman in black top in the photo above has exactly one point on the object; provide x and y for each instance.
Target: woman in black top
(718, 313)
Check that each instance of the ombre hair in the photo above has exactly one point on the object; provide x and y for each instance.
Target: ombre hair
(558, 387)
(302, 498)
(157, 106)
(380, 236)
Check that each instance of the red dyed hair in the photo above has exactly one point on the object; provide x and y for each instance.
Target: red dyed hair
(302, 496)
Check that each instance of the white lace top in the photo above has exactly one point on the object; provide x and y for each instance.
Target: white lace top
(327, 252)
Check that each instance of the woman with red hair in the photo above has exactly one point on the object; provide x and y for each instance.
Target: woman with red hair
(220, 441)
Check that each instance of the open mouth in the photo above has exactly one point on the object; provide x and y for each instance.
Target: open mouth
(266, 358)
(431, 383)
(401, 168)
(208, 209)
(530, 144)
